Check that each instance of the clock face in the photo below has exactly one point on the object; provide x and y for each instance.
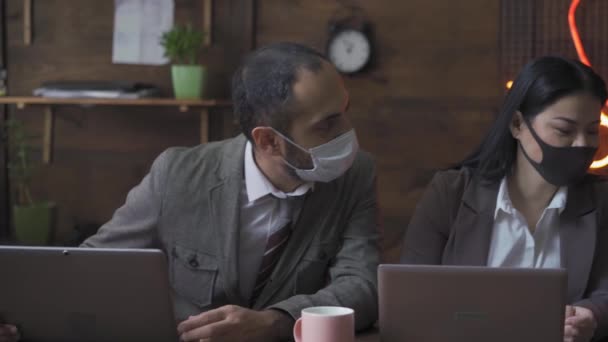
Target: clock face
(349, 50)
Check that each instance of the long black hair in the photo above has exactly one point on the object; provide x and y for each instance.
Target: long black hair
(540, 83)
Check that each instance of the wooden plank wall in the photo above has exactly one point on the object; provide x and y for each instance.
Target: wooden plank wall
(431, 96)
(4, 193)
(433, 92)
(101, 153)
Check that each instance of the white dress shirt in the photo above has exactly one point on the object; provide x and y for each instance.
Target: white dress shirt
(264, 210)
(513, 245)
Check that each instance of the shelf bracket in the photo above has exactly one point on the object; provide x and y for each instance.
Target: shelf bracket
(207, 22)
(48, 135)
(204, 125)
(27, 22)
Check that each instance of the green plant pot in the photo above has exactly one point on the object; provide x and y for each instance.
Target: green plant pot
(34, 224)
(188, 81)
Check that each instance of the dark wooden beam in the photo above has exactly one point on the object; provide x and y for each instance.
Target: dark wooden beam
(234, 33)
(4, 185)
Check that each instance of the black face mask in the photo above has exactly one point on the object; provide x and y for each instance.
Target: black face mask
(561, 165)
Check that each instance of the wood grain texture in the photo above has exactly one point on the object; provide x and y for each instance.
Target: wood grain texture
(22, 101)
(48, 134)
(101, 152)
(4, 190)
(432, 93)
(27, 22)
(428, 100)
(208, 21)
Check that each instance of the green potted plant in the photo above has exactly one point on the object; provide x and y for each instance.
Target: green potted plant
(183, 46)
(32, 220)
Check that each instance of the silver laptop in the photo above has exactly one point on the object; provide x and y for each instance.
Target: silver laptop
(81, 294)
(472, 304)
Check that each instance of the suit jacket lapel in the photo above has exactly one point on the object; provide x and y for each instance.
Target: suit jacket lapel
(471, 236)
(578, 231)
(225, 210)
(469, 242)
(305, 229)
(471, 232)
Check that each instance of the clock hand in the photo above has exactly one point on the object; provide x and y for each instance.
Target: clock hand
(349, 47)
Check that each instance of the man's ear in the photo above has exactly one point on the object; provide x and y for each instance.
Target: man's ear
(516, 125)
(266, 140)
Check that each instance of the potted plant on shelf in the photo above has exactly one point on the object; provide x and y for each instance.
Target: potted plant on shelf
(32, 220)
(183, 46)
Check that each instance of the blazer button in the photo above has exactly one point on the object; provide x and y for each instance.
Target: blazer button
(193, 262)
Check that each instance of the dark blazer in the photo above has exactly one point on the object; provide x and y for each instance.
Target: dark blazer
(453, 224)
(188, 205)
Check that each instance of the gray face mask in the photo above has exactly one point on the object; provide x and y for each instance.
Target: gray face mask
(561, 165)
(330, 160)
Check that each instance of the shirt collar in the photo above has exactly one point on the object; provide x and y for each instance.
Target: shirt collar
(503, 201)
(259, 186)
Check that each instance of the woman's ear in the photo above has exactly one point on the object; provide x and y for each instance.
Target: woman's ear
(516, 124)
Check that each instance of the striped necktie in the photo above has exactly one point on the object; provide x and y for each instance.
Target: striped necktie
(274, 249)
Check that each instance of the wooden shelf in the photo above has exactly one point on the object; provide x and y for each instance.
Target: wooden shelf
(204, 106)
(22, 101)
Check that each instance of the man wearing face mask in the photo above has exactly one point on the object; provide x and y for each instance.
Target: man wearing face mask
(258, 227)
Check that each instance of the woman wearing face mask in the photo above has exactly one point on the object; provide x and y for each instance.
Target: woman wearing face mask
(524, 198)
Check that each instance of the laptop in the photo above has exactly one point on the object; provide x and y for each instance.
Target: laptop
(472, 304)
(82, 294)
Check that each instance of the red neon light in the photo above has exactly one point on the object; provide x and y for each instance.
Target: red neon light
(582, 55)
(576, 37)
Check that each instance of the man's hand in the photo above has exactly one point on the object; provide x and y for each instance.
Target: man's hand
(580, 324)
(8, 333)
(234, 323)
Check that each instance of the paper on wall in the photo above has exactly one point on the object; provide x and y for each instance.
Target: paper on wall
(138, 26)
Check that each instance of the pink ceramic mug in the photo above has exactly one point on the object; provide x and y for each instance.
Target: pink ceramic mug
(325, 324)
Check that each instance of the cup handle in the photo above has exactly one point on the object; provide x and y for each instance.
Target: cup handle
(297, 330)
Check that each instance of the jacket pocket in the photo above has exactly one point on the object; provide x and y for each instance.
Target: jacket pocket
(313, 271)
(193, 275)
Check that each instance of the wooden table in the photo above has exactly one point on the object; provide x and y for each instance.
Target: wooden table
(369, 336)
